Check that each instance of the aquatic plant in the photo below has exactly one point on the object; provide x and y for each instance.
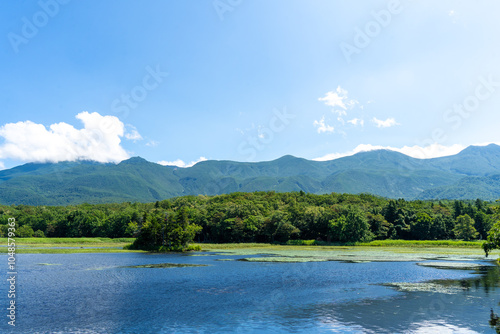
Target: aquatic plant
(166, 265)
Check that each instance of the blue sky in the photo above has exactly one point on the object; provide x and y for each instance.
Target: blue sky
(182, 81)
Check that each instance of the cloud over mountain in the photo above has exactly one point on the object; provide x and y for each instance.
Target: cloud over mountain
(98, 140)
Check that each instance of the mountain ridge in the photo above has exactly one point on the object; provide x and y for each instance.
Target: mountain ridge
(470, 174)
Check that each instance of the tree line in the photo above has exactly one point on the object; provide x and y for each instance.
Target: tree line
(259, 217)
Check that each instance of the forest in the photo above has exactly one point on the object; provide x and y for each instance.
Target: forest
(259, 217)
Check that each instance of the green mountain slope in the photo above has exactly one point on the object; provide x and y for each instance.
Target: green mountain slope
(473, 161)
(473, 173)
(471, 187)
(131, 180)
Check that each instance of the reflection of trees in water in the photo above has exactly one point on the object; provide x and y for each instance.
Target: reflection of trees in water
(494, 321)
(409, 311)
(488, 279)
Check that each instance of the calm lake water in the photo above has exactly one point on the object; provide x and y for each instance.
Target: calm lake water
(90, 293)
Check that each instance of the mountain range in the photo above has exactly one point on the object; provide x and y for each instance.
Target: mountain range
(470, 174)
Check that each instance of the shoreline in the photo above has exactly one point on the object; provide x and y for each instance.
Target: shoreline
(391, 250)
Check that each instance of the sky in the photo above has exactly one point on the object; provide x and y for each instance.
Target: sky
(177, 82)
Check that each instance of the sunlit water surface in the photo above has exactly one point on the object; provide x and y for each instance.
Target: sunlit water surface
(93, 293)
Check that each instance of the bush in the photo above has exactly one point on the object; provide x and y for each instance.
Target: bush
(302, 242)
(24, 231)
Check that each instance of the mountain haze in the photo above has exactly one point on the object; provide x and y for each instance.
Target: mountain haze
(470, 174)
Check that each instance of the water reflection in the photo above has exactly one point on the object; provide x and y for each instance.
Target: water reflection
(494, 321)
(93, 293)
(465, 311)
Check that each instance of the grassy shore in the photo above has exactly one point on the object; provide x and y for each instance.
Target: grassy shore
(378, 243)
(395, 243)
(423, 243)
(68, 245)
(107, 245)
(366, 252)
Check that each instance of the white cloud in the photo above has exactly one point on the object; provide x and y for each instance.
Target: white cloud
(356, 121)
(339, 112)
(431, 151)
(486, 144)
(132, 133)
(338, 99)
(335, 98)
(322, 127)
(2, 166)
(384, 124)
(98, 140)
(180, 163)
(152, 143)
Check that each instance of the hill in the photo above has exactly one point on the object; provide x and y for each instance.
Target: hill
(473, 173)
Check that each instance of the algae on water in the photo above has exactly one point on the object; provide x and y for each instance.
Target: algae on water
(452, 265)
(283, 259)
(166, 265)
(425, 287)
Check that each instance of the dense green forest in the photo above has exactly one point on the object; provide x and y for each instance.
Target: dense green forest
(260, 217)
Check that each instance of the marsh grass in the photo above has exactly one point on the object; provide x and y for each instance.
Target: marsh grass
(166, 265)
(68, 245)
(69, 250)
(287, 259)
(299, 249)
(399, 251)
(423, 243)
(207, 246)
(391, 243)
(68, 241)
(452, 265)
(426, 287)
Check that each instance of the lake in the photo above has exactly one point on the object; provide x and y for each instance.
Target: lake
(99, 293)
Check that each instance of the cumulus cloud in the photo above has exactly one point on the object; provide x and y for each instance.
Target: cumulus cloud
(132, 133)
(356, 121)
(340, 103)
(338, 99)
(180, 163)
(431, 151)
(322, 127)
(335, 98)
(385, 124)
(98, 140)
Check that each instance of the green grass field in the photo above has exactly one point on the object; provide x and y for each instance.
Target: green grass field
(393, 243)
(423, 243)
(69, 241)
(380, 252)
(295, 248)
(67, 245)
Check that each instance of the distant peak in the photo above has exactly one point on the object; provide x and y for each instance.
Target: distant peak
(383, 152)
(480, 149)
(288, 157)
(134, 160)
